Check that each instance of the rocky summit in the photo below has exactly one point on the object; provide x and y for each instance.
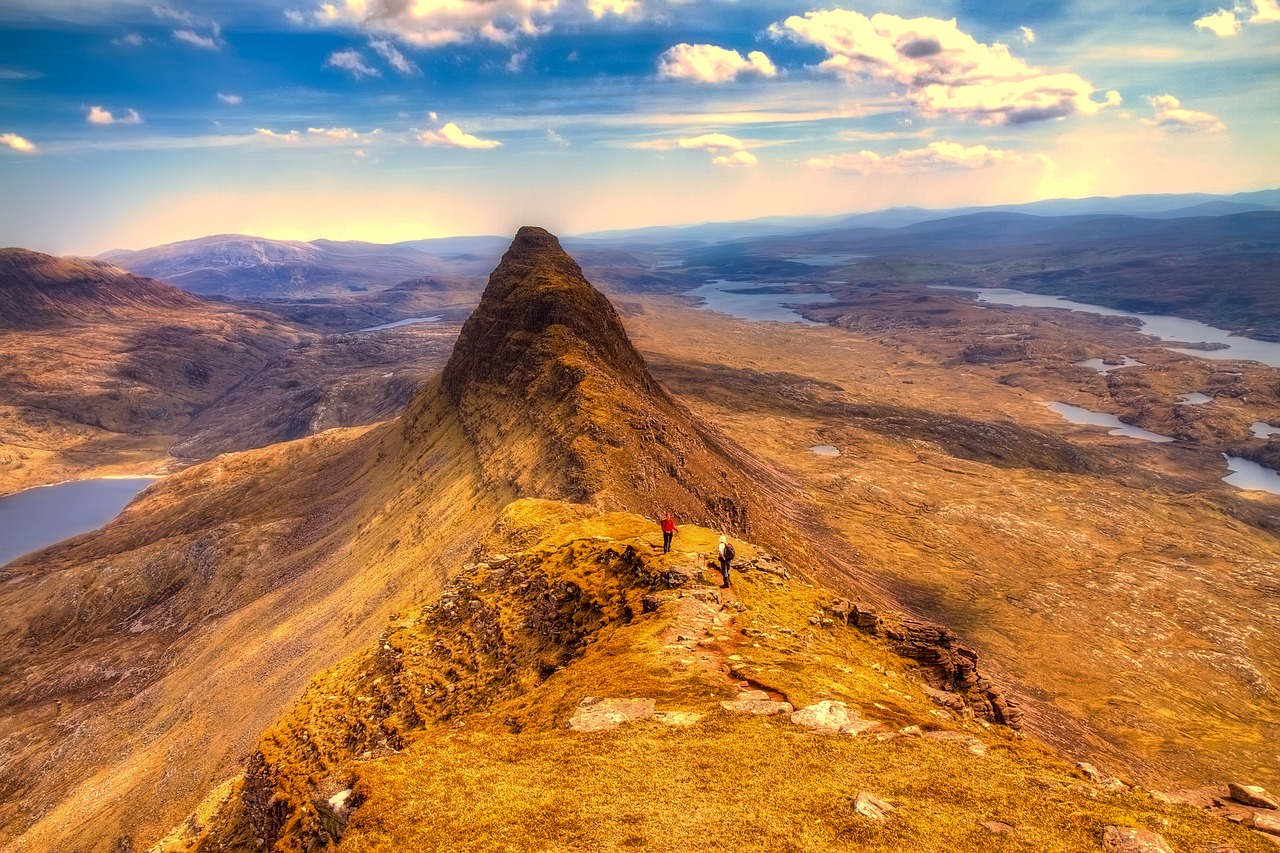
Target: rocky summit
(558, 403)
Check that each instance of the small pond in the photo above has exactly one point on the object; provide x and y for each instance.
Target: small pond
(407, 321)
(1077, 415)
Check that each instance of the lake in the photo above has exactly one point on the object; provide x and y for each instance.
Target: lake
(39, 517)
(749, 300)
(1174, 329)
(1077, 415)
(408, 321)
(1246, 474)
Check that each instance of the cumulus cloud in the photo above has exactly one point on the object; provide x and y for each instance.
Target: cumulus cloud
(194, 39)
(337, 134)
(454, 136)
(1171, 115)
(935, 155)
(517, 60)
(1265, 12)
(707, 63)
(1028, 34)
(18, 143)
(97, 115)
(431, 24)
(737, 158)
(1222, 23)
(352, 61)
(941, 68)
(394, 57)
(233, 100)
(622, 8)
(295, 17)
(557, 139)
(129, 40)
(712, 142)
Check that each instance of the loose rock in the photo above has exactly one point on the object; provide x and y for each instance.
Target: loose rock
(1123, 839)
(594, 714)
(1264, 822)
(970, 742)
(757, 706)
(872, 807)
(996, 827)
(1252, 795)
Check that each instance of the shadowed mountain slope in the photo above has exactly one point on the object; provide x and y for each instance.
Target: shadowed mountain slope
(559, 404)
(38, 290)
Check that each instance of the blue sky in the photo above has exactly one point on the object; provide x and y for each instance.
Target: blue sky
(126, 124)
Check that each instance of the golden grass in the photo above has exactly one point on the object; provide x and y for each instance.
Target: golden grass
(500, 771)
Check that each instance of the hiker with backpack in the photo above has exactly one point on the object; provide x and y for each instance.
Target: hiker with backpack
(726, 554)
(669, 530)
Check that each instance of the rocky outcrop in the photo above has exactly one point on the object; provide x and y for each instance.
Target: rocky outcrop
(951, 667)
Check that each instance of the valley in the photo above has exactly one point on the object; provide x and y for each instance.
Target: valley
(1117, 592)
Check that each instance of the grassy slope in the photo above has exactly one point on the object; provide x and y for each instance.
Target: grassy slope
(492, 766)
(146, 659)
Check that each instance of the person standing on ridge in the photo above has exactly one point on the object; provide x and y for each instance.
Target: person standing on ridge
(668, 531)
(725, 551)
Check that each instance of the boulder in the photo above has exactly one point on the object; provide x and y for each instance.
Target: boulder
(832, 718)
(1264, 822)
(1252, 795)
(1123, 839)
(594, 714)
(872, 807)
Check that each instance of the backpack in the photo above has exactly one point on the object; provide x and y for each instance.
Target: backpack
(728, 552)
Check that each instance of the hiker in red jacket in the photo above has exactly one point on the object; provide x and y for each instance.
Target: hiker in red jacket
(668, 531)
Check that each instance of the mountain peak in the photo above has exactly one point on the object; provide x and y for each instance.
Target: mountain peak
(558, 403)
(537, 309)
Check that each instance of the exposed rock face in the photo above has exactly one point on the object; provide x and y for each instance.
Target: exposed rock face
(951, 666)
(1252, 795)
(559, 404)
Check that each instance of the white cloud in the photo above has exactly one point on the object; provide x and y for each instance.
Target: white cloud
(517, 60)
(737, 158)
(233, 100)
(97, 115)
(935, 155)
(431, 23)
(394, 57)
(707, 63)
(622, 8)
(295, 17)
(713, 142)
(1265, 12)
(1028, 34)
(351, 60)
(1171, 115)
(130, 40)
(18, 143)
(291, 136)
(337, 134)
(556, 138)
(942, 69)
(452, 135)
(169, 13)
(316, 135)
(194, 39)
(1221, 23)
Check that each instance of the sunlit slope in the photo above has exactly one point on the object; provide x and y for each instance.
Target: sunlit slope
(578, 689)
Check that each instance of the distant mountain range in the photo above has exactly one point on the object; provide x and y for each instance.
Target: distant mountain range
(241, 266)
